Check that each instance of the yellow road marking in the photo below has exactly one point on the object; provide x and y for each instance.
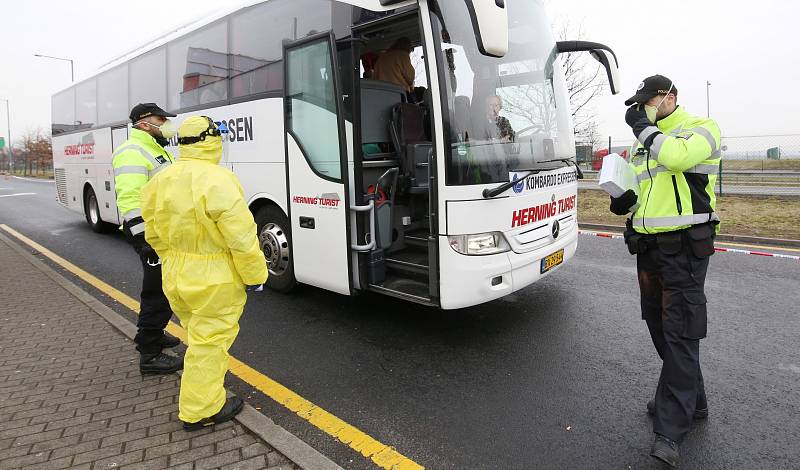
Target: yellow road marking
(384, 456)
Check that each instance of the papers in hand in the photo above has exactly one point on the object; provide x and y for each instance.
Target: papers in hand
(617, 176)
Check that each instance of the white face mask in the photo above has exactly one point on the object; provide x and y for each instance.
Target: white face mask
(167, 129)
(652, 111)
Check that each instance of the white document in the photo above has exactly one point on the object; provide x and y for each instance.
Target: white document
(616, 176)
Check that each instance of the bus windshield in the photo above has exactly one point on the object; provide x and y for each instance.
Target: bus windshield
(507, 113)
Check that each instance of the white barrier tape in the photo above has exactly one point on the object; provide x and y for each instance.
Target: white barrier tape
(724, 250)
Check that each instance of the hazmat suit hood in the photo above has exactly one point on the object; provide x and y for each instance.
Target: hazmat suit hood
(209, 149)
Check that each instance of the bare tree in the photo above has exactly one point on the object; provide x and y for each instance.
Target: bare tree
(585, 81)
(35, 151)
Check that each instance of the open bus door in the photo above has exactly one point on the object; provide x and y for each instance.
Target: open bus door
(317, 166)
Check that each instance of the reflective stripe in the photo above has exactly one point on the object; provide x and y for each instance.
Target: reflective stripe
(705, 133)
(132, 214)
(130, 170)
(646, 175)
(704, 169)
(647, 132)
(675, 221)
(137, 229)
(655, 147)
(139, 149)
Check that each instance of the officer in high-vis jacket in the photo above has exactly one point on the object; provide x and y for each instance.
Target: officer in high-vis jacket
(671, 231)
(135, 162)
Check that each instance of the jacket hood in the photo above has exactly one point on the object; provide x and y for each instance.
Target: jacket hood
(209, 150)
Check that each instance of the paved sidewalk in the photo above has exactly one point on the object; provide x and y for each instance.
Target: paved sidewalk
(71, 395)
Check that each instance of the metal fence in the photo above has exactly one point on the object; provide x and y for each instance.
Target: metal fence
(764, 165)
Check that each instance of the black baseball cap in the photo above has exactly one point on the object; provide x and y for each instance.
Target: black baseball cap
(142, 110)
(650, 87)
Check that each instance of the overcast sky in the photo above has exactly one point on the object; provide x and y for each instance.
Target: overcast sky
(748, 53)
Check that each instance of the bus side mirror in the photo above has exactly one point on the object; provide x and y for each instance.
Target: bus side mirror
(600, 53)
(490, 22)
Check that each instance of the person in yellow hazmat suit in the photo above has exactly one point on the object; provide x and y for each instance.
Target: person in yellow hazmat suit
(198, 223)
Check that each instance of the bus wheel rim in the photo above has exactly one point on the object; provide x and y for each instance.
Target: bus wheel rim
(275, 246)
(94, 215)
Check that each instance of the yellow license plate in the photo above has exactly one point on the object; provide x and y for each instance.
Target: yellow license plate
(551, 261)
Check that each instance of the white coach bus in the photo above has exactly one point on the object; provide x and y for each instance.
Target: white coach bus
(457, 193)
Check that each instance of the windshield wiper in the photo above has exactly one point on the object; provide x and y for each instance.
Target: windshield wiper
(568, 161)
(490, 193)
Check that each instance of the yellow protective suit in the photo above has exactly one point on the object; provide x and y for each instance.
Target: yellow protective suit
(198, 222)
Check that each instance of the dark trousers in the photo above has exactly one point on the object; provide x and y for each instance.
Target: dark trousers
(155, 311)
(671, 281)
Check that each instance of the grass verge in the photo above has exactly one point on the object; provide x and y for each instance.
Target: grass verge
(773, 216)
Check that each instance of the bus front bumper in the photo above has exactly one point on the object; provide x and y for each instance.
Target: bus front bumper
(472, 280)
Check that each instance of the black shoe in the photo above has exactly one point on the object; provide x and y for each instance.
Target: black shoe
(231, 408)
(168, 341)
(698, 413)
(665, 450)
(159, 364)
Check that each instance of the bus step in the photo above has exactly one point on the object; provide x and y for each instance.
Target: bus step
(411, 260)
(406, 289)
(416, 238)
(406, 266)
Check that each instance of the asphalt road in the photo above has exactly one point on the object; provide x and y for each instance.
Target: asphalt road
(556, 376)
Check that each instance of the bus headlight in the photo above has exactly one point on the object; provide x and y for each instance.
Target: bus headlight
(479, 243)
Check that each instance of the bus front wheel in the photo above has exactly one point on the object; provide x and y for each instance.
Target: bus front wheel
(275, 239)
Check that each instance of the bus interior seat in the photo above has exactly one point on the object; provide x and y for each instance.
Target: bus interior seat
(462, 114)
(407, 130)
(377, 100)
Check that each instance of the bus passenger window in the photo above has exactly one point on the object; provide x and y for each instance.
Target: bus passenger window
(148, 81)
(86, 104)
(198, 67)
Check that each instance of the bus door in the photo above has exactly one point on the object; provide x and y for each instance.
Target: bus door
(317, 166)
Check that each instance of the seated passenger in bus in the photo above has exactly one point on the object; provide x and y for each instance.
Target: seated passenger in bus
(496, 127)
(394, 65)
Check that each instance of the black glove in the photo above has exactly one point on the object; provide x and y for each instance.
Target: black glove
(146, 252)
(149, 255)
(636, 117)
(622, 205)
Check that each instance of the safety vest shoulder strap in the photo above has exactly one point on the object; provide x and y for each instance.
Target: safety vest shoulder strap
(136, 148)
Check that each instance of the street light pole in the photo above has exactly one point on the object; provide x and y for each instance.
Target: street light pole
(71, 64)
(708, 106)
(8, 136)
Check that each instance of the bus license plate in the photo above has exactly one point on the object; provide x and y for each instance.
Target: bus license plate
(551, 261)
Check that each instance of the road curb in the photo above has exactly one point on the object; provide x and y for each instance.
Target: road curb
(292, 447)
(723, 237)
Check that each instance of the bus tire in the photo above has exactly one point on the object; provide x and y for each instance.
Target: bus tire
(91, 209)
(275, 240)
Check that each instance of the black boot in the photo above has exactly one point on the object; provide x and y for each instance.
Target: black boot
(231, 408)
(159, 364)
(665, 450)
(699, 413)
(168, 341)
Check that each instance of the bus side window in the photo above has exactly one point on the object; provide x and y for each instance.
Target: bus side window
(311, 107)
